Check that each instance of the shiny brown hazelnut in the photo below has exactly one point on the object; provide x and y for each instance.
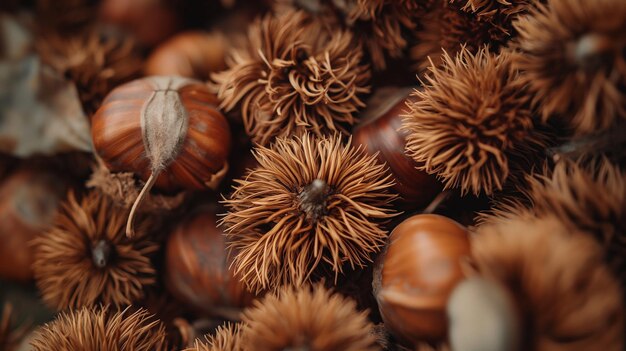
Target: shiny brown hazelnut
(167, 130)
(416, 274)
(192, 54)
(28, 203)
(197, 268)
(379, 132)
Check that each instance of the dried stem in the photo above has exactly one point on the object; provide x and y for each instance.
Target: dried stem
(130, 231)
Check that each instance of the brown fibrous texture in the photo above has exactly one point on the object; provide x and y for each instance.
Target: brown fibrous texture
(568, 297)
(294, 76)
(311, 202)
(446, 27)
(94, 61)
(86, 258)
(9, 336)
(590, 198)
(308, 318)
(572, 57)
(492, 9)
(123, 188)
(226, 338)
(102, 328)
(471, 124)
(381, 26)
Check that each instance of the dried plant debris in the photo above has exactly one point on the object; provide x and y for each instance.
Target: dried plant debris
(226, 338)
(124, 187)
(294, 76)
(86, 258)
(572, 57)
(311, 202)
(41, 112)
(557, 276)
(102, 328)
(471, 124)
(308, 318)
(94, 60)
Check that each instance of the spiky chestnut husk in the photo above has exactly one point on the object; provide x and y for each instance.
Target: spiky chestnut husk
(102, 328)
(308, 318)
(471, 124)
(311, 202)
(226, 338)
(381, 26)
(86, 257)
(586, 197)
(492, 9)
(572, 56)
(294, 76)
(94, 61)
(557, 277)
(9, 336)
(446, 27)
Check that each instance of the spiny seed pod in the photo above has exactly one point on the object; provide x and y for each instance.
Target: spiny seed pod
(102, 328)
(586, 197)
(311, 202)
(491, 9)
(448, 28)
(167, 130)
(226, 338)
(86, 258)
(557, 277)
(96, 62)
(381, 26)
(293, 76)
(572, 56)
(309, 318)
(471, 124)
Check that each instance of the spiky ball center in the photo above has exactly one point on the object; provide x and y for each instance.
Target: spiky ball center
(313, 198)
(594, 51)
(101, 253)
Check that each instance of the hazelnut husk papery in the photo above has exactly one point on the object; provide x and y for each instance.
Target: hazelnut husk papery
(380, 132)
(197, 268)
(415, 275)
(28, 202)
(192, 54)
(166, 130)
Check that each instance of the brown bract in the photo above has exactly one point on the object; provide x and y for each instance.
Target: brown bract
(572, 56)
(471, 124)
(311, 202)
(94, 61)
(569, 299)
(226, 338)
(294, 76)
(309, 318)
(86, 257)
(102, 328)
